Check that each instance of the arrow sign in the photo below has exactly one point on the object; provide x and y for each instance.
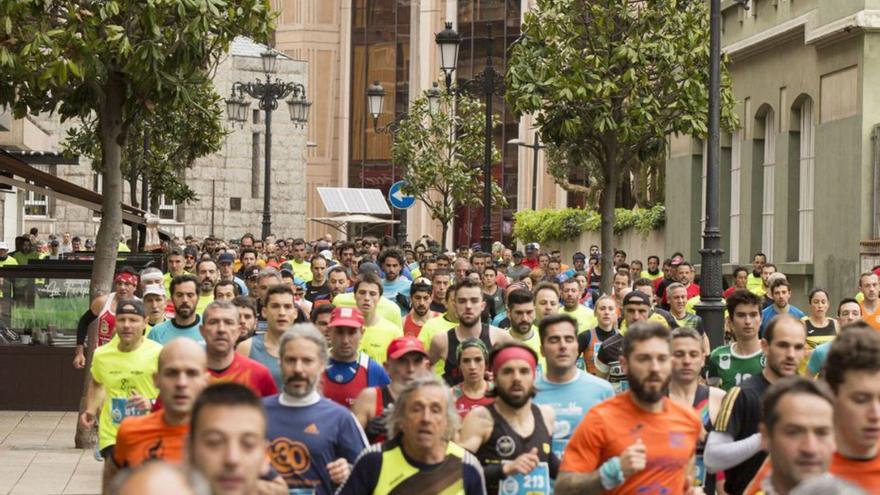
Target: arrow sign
(398, 199)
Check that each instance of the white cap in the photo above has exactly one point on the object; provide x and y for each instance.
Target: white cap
(154, 289)
(326, 254)
(4, 246)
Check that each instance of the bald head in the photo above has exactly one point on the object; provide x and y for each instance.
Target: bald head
(182, 375)
(183, 349)
(158, 478)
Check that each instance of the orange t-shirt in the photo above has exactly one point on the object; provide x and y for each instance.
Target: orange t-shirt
(754, 486)
(865, 473)
(872, 319)
(670, 438)
(143, 438)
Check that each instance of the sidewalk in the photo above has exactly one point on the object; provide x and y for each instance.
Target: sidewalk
(37, 456)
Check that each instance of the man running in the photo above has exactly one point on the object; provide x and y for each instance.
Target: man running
(755, 282)
(378, 331)
(780, 292)
(420, 300)
(546, 300)
(735, 445)
(312, 440)
(513, 434)
(469, 305)
(440, 282)
(571, 305)
(473, 390)
(521, 313)
(406, 361)
(638, 438)
(569, 391)
(208, 275)
(421, 457)
(280, 313)
(154, 304)
(688, 357)
(225, 263)
(103, 308)
(732, 364)
(247, 317)
(220, 330)
(318, 289)
(186, 321)
(848, 312)
(869, 284)
(677, 295)
(180, 378)
(349, 371)
(121, 382)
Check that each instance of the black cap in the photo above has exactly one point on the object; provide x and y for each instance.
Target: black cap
(518, 254)
(636, 297)
(252, 272)
(226, 258)
(579, 256)
(368, 267)
(131, 307)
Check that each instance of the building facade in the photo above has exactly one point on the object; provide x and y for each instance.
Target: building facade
(228, 184)
(798, 177)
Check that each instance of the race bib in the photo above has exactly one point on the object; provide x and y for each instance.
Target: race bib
(119, 410)
(536, 482)
(301, 491)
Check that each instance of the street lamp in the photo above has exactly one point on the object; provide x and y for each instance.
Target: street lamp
(534, 147)
(486, 84)
(267, 93)
(711, 306)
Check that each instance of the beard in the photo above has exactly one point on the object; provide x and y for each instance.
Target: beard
(291, 389)
(515, 402)
(421, 310)
(640, 390)
(184, 311)
(469, 321)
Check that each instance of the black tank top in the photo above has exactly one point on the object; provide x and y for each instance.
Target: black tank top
(451, 373)
(505, 444)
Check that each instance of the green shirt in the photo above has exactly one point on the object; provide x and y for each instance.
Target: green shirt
(386, 309)
(585, 317)
(756, 284)
(121, 374)
(377, 338)
(732, 368)
(301, 269)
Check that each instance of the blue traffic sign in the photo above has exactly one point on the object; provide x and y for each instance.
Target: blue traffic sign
(398, 199)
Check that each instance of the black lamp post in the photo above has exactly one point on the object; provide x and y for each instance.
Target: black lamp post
(535, 147)
(375, 105)
(267, 93)
(711, 306)
(487, 84)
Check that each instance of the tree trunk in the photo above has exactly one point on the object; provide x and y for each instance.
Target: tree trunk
(443, 236)
(607, 201)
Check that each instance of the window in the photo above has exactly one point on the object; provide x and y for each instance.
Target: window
(36, 204)
(807, 163)
(167, 209)
(769, 171)
(735, 186)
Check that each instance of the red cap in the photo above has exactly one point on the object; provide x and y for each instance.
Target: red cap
(346, 317)
(404, 345)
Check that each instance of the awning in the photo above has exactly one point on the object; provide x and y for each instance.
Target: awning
(340, 222)
(47, 184)
(349, 201)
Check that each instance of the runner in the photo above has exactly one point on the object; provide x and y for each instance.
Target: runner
(224, 290)
(546, 300)
(869, 284)
(755, 282)
(154, 303)
(521, 312)
(378, 331)
(735, 445)
(853, 372)
(420, 299)
(121, 382)
(247, 317)
(279, 312)
(337, 282)
(440, 282)
(571, 305)
(406, 361)
(820, 328)
(677, 295)
(320, 316)
(493, 292)
(318, 289)
(512, 435)
(652, 272)
(780, 292)
(795, 404)
(312, 440)
(395, 287)
(225, 263)
(348, 370)
(688, 357)
(638, 438)
(469, 304)
(589, 342)
(636, 306)
(473, 390)
(569, 391)
(849, 313)
(180, 378)
(186, 321)
(421, 457)
(103, 308)
(301, 267)
(220, 330)
(175, 261)
(740, 281)
(208, 275)
(732, 364)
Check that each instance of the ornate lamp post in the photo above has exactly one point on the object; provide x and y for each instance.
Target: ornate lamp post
(267, 93)
(487, 84)
(535, 147)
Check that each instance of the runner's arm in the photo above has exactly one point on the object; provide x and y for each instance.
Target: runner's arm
(476, 428)
(723, 452)
(275, 486)
(364, 406)
(571, 483)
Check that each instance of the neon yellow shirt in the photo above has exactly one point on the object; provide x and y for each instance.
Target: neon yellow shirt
(386, 308)
(534, 343)
(204, 301)
(432, 327)
(650, 277)
(756, 284)
(377, 338)
(121, 373)
(585, 317)
(302, 269)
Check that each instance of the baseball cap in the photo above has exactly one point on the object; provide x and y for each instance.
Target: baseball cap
(346, 317)
(4, 246)
(252, 272)
(153, 290)
(533, 246)
(636, 297)
(404, 345)
(226, 258)
(286, 272)
(579, 256)
(368, 267)
(326, 254)
(676, 260)
(518, 254)
(191, 251)
(131, 307)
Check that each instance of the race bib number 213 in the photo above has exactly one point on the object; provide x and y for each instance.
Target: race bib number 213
(537, 482)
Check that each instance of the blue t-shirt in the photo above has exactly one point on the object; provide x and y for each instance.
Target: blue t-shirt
(303, 440)
(818, 357)
(770, 311)
(571, 401)
(342, 372)
(390, 291)
(168, 330)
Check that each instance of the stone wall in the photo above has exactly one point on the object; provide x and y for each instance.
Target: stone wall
(636, 246)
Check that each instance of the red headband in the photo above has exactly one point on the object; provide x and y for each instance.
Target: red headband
(127, 277)
(512, 353)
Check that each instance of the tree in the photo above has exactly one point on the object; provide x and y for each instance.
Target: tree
(442, 152)
(114, 63)
(609, 80)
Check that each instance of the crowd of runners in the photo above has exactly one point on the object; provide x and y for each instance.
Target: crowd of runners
(293, 367)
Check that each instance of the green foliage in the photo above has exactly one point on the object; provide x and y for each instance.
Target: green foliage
(442, 154)
(552, 225)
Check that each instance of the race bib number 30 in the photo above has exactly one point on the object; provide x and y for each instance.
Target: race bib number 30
(536, 482)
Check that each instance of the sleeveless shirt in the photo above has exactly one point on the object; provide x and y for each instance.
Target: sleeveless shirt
(107, 321)
(259, 354)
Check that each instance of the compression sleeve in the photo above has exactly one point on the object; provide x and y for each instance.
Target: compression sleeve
(722, 452)
(82, 327)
